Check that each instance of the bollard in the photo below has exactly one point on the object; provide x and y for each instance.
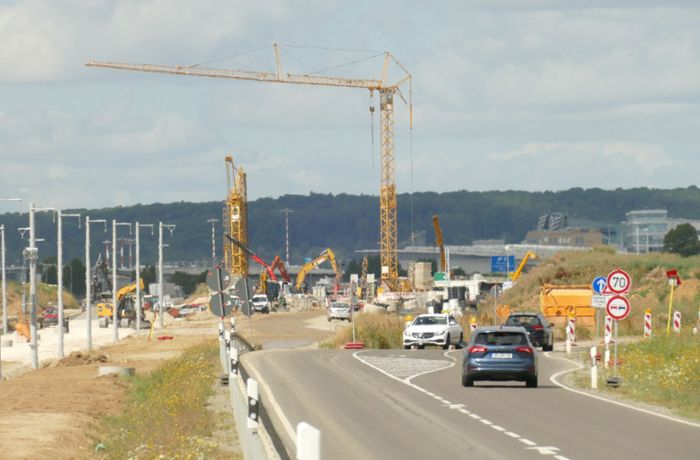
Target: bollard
(677, 322)
(253, 398)
(308, 442)
(571, 329)
(647, 323)
(234, 363)
(233, 325)
(608, 339)
(472, 324)
(594, 368)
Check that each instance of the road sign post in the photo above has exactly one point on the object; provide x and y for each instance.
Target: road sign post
(618, 282)
(618, 307)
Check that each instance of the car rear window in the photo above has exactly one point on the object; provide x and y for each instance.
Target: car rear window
(501, 338)
(523, 321)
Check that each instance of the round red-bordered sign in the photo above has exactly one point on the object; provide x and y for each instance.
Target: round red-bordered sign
(618, 307)
(618, 282)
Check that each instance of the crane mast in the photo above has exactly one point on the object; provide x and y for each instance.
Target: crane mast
(236, 219)
(387, 91)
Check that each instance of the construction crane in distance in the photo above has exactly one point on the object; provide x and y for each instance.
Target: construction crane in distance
(235, 220)
(439, 243)
(387, 90)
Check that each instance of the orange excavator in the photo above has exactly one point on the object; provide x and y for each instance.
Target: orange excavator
(279, 265)
(264, 274)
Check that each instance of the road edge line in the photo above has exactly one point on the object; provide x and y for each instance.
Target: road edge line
(553, 378)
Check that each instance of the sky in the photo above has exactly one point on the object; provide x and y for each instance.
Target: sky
(521, 95)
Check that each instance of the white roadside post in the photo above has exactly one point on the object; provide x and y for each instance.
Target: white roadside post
(161, 245)
(594, 368)
(570, 333)
(647, 323)
(677, 322)
(115, 307)
(59, 270)
(139, 305)
(308, 442)
(88, 294)
(253, 404)
(608, 338)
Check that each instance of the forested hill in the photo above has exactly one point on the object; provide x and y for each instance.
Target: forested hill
(346, 223)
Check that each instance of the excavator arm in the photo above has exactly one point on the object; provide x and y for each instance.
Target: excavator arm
(279, 265)
(327, 254)
(253, 256)
(439, 243)
(530, 255)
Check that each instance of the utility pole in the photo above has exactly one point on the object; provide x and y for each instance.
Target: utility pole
(213, 239)
(286, 212)
(115, 317)
(160, 268)
(4, 278)
(88, 294)
(59, 269)
(32, 254)
(138, 273)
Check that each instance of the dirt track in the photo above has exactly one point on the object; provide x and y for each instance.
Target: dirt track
(49, 412)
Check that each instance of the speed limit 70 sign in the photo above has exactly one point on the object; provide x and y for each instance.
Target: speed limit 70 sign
(618, 282)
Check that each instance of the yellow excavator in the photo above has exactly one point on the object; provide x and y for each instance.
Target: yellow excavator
(516, 274)
(326, 255)
(126, 307)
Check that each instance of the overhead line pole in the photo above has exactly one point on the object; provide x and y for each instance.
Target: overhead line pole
(115, 307)
(161, 245)
(88, 294)
(139, 305)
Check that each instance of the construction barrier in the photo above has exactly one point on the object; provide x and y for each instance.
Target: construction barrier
(608, 329)
(472, 324)
(647, 323)
(677, 322)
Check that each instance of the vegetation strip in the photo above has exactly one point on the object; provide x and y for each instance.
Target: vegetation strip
(166, 414)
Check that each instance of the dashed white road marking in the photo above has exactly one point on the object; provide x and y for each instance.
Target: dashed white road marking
(399, 368)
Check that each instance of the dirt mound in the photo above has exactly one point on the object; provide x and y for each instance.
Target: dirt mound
(79, 358)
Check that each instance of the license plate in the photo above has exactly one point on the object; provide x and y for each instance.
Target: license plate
(502, 355)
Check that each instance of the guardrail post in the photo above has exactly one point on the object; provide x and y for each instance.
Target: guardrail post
(594, 368)
(308, 442)
(253, 405)
(233, 369)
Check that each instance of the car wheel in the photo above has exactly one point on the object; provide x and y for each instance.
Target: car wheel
(531, 381)
(547, 347)
(467, 381)
(461, 340)
(447, 342)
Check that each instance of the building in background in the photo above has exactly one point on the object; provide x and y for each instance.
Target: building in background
(644, 230)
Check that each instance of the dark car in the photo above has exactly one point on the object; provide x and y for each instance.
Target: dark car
(500, 353)
(540, 330)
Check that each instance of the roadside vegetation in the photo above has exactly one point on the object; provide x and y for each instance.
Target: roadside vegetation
(375, 331)
(166, 414)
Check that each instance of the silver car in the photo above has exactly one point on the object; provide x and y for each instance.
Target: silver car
(339, 310)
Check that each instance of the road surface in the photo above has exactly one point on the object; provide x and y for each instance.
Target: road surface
(394, 404)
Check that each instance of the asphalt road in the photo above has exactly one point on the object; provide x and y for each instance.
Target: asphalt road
(393, 404)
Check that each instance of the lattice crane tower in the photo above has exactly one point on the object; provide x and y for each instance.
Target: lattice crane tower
(387, 91)
(236, 219)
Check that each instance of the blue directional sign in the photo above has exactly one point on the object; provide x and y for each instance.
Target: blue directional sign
(502, 264)
(599, 284)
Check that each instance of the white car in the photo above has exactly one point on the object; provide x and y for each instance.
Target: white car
(433, 329)
(261, 304)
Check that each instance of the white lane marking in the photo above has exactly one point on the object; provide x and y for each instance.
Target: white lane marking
(561, 457)
(580, 366)
(407, 381)
(404, 368)
(545, 450)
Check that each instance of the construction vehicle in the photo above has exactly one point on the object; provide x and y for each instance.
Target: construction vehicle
(439, 243)
(559, 302)
(387, 90)
(516, 274)
(326, 255)
(126, 308)
(281, 267)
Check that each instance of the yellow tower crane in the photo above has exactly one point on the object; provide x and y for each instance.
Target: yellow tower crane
(387, 90)
(236, 219)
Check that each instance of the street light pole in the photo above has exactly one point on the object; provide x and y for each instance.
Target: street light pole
(4, 279)
(88, 294)
(160, 268)
(59, 270)
(213, 239)
(115, 307)
(138, 273)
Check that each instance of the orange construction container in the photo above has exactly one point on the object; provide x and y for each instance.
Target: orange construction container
(557, 302)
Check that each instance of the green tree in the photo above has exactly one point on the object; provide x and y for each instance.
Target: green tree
(682, 240)
(148, 275)
(74, 277)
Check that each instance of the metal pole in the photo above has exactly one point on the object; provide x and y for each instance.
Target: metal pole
(213, 238)
(32, 253)
(160, 274)
(286, 232)
(4, 281)
(88, 294)
(139, 306)
(59, 269)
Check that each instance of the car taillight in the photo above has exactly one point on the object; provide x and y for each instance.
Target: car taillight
(537, 327)
(477, 349)
(524, 349)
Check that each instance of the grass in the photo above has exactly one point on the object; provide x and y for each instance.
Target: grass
(166, 415)
(375, 331)
(664, 370)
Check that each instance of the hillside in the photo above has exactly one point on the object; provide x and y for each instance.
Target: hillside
(347, 223)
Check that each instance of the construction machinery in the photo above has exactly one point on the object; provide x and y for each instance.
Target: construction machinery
(126, 308)
(387, 90)
(326, 255)
(516, 274)
(439, 243)
(235, 219)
